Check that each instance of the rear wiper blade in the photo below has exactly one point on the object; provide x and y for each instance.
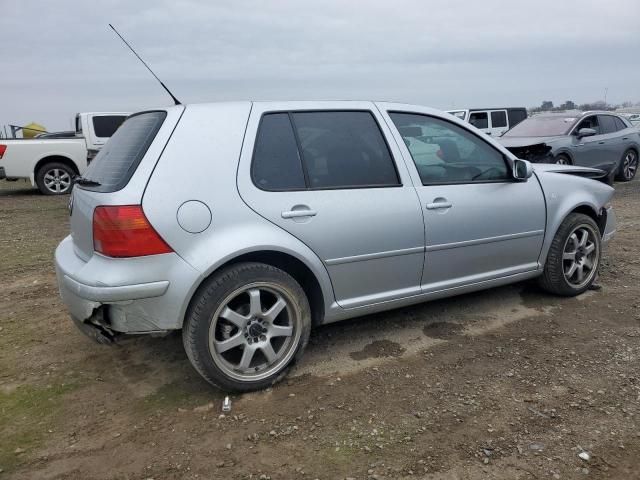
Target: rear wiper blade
(80, 180)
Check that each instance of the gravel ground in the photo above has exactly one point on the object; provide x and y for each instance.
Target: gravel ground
(509, 383)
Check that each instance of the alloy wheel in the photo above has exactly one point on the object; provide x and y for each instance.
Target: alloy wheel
(57, 180)
(630, 165)
(254, 332)
(580, 256)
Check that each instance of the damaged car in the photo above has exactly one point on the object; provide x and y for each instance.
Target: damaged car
(599, 140)
(291, 215)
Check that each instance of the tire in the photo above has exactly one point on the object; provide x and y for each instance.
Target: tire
(562, 159)
(628, 166)
(55, 178)
(275, 327)
(560, 277)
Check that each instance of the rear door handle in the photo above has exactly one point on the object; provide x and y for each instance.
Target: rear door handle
(299, 213)
(600, 143)
(625, 138)
(438, 205)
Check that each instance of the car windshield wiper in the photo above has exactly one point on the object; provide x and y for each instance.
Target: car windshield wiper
(80, 180)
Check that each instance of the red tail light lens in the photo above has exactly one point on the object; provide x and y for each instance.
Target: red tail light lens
(124, 231)
(3, 148)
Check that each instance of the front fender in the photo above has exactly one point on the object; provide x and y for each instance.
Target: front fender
(565, 194)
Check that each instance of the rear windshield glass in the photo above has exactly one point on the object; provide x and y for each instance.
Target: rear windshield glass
(114, 165)
(542, 127)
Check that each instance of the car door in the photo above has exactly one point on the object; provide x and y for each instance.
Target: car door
(587, 151)
(329, 177)
(614, 146)
(499, 122)
(480, 224)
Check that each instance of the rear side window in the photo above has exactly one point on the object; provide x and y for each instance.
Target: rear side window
(321, 150)
(498, 119)
(105, 126)
(276, 162)
(620, 123)
(344, 149)
(115, 163)
(607, 124)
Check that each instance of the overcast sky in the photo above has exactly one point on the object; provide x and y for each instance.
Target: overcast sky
(59, 57)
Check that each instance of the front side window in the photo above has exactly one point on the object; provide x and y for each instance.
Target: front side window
(446, 153)
(106, 125)
(479, 119)
(589, 122)
(498, 119)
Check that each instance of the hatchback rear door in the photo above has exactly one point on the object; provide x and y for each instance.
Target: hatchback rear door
(328, 175)
(119, 173)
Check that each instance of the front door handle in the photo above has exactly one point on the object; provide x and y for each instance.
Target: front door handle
(299, 213)
(625, 138)
(600, 143)
(439, 204)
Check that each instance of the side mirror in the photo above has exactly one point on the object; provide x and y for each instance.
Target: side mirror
(586, 132)
(522, 170)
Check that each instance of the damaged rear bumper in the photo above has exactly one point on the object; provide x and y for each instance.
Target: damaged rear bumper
(107, 296)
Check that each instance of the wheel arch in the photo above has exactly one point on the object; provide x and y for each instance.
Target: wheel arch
(565, 152)
(292, 265)
(55, 159)
(585, 208)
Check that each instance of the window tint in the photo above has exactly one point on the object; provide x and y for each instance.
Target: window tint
(607, 124)
(479, 119)
(276, 162)
(589, 122)
(344, 149)
(620, 125)
(446, 153)
(119, 158)
(498, 119)
(106, 126)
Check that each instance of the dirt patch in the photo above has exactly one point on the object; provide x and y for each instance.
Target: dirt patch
(452, 389)
(379, 349)
(442, 329)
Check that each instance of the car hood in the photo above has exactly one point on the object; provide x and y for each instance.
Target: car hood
(586, 172)
(526, 141)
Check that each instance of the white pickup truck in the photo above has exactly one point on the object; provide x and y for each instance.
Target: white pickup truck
(51, 162)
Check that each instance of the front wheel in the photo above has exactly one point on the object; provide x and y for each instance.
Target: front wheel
(246, 326)
(54, 178)
(573, 258)
(562, 160)
(628, 166)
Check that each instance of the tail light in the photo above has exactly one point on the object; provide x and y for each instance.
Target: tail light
(3, 148)
(124, 231)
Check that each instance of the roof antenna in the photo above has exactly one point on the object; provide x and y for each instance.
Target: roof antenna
(177, 102)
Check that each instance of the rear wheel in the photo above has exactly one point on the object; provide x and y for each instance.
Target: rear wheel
(628, 166)
(246, 327)
(573, 258)
(55, 178)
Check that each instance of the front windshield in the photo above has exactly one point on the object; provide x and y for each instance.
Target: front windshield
(542, 126)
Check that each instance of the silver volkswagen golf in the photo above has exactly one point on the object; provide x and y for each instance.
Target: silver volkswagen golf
(246, 224)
